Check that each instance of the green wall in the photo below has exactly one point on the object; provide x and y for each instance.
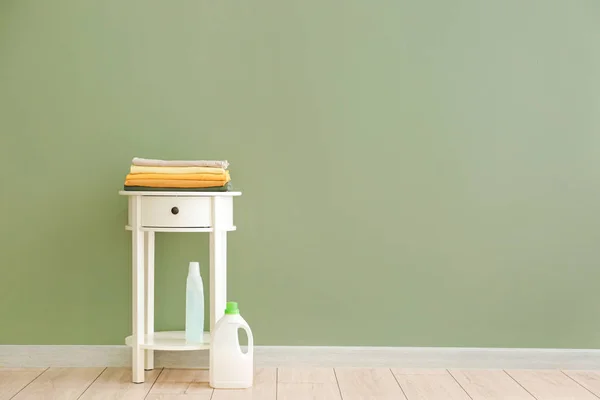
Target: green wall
(415, 173)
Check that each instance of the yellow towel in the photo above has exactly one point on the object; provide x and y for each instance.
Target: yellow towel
(184, 177)
(139, 169)
(178, 183)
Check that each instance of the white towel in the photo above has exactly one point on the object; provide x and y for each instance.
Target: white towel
(180, 163)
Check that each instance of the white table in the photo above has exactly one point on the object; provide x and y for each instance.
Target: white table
(158, 211)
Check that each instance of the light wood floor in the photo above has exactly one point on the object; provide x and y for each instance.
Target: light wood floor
(302, 384)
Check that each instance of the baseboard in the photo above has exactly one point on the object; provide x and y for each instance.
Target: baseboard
(301, 356)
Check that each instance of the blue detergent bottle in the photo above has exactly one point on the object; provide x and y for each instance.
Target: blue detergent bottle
(194, 305)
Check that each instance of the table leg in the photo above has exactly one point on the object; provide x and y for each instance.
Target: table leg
(218, 262)
(137, 361)
(218, 276)
(149, 304)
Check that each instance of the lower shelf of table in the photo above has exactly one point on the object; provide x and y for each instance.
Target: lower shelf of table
(170, 340)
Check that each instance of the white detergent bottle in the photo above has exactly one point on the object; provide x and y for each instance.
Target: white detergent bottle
(194, 305)
(230, 368)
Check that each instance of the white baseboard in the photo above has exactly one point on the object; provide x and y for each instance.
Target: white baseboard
(300, 356)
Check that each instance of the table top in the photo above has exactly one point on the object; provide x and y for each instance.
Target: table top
(176, 193)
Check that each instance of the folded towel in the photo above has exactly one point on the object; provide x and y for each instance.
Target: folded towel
(179, 163)
(224, 188)
(139, 169)
(184, 177)
(177, 183)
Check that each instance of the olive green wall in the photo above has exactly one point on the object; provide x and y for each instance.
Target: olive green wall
(415, 173)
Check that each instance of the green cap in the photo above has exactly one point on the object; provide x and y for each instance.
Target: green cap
(232, 308)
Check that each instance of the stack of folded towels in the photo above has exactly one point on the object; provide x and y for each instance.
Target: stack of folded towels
(178, 175)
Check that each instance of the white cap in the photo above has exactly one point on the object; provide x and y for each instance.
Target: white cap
(194, 268)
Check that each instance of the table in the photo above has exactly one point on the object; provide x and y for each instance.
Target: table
(162, 211)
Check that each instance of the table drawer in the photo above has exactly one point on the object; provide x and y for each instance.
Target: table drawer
(183, 212)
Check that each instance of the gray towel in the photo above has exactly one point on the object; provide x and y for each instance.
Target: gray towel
(180, 163)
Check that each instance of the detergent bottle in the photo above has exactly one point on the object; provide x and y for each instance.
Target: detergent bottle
(230, 368)
(194, 305)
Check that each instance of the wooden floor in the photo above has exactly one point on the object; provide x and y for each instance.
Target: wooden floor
(302, 384)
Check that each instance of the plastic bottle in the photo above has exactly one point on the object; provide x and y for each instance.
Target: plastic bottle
(230, 368)
(194, 305)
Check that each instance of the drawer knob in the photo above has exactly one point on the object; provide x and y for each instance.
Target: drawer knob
(174, 210)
